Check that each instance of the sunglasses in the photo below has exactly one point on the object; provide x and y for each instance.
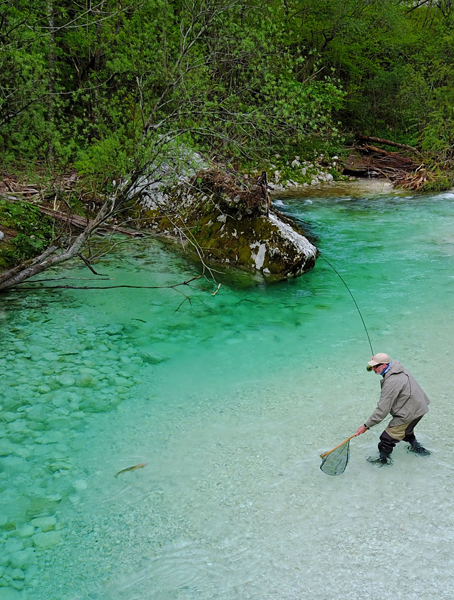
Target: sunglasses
(370, 368)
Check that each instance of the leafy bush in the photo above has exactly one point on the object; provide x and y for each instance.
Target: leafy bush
(34, 231)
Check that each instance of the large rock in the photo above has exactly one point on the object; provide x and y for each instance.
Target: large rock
(232, 221)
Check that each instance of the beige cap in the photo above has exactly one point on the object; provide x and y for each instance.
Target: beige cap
(379, 359)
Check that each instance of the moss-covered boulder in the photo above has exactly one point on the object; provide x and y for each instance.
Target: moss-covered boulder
(230, 220)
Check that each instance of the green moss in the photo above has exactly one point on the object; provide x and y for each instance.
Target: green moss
(224, 231)
(165, 224)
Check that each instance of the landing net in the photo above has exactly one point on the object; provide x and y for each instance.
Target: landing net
(335, 461)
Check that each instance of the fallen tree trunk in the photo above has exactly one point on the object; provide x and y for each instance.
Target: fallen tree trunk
(49, 258)
(396, 155)
(389, 143)
(82, 223)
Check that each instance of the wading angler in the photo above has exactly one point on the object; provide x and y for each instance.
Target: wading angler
(401, 397)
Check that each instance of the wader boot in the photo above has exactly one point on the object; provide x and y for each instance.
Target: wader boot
(385, 447)
(383, 458)
(416, 448)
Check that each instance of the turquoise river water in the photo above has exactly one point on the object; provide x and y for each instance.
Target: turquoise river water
(229, 401)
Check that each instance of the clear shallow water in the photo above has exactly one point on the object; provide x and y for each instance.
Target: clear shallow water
(230, 400)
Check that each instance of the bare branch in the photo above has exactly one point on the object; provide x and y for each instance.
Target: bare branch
(107, 287)
(82, 257)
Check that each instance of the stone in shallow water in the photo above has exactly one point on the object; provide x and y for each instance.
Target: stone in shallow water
(44, 523)
(50, 356)
(6, 447)
(18, 574)
(43, 389)
(80, 484)
(7, 593)
(97, 404)
(59, 401)
(122, 382)
(31, 573)
(26, 531)
(17, 426)
(18, 585)
(46, 540)
(37, 413)
(23, 559)
(86, 380)
(41, 450)
(14, 464)
(5, 558)
(115, 328)
(66, 379)
(12, 545)
(152, 358)
(9, 417)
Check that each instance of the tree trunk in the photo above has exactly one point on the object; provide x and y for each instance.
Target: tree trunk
(51, 78)
(46, 260)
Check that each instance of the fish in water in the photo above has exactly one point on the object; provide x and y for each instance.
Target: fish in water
(132, 468)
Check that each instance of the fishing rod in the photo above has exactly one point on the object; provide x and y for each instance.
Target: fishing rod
(353, 298)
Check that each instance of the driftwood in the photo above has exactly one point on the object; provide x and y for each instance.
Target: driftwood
(369, 160)
(393, 155)
(387, 163)
(414, 181)
(10, 184)
(389, 143)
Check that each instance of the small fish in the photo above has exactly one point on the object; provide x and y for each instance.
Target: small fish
(132, 468)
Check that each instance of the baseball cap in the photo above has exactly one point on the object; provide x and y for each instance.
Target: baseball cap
(379, 359)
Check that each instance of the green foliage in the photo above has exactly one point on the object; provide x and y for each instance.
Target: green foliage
(33, 230)
(110, 85)
(443, 181)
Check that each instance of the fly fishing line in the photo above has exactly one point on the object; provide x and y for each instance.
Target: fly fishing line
(335, 461)
(353, 298)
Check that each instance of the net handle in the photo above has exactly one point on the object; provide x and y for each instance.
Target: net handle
(338, 446)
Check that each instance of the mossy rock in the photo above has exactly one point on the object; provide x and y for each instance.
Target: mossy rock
(232, 222)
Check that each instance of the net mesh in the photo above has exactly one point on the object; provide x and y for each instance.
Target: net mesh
(335, 462)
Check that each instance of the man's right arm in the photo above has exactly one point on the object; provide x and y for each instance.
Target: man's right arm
(389, 393)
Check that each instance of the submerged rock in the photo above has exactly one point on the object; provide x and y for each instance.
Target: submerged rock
(7, 593)
(44, 523)
(46, 540)
(232, 221)
(23, 559)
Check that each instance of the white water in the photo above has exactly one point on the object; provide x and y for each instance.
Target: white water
(257, 383)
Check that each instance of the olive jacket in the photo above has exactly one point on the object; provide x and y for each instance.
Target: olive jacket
(401, 396)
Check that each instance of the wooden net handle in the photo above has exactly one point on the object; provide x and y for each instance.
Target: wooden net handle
(338, 446)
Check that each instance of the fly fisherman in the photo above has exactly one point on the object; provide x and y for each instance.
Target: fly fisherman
(403, 398)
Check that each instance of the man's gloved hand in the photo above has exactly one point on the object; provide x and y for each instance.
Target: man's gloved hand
(361, 430)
